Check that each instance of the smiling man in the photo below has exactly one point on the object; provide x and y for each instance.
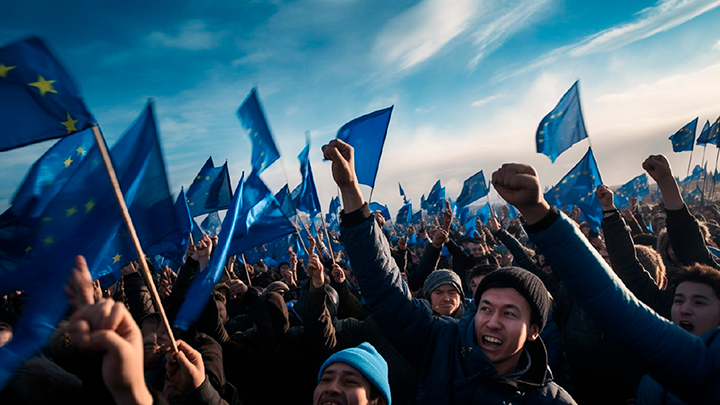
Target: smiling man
(491, 356)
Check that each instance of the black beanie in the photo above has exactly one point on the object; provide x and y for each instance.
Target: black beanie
(524, 282)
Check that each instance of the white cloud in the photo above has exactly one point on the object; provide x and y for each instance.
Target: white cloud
(485, 100)
(717, 46)
(424, 110)
(193, 36)
(253, 58)
(421, 31)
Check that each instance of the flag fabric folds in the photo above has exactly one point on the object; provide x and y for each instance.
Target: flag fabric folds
(696, 174)
(284, 198)
(204, 282)
(38, 99)
(484, 213)
(402, 194)
(307, 199)
(684, 139)
(578, 188)
(333, 216)
(637, 187)
(435, 202)
(366, 135)
(210, 191)
(383, 209)
(404, 215)
(212, 224)
(264, 151)
(473, 189)
(706, 136)
(562, 127)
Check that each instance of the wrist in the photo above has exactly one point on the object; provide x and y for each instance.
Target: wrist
(135, 395)
(534, 213)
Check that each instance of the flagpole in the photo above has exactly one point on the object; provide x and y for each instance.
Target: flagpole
(689, 163)
(247, 273)
(300, 236)
(230, 267)
(492, 211)
(133, 235)
(717, 154)
(327, 235)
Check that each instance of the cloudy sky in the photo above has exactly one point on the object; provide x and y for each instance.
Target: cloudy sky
(470, 80)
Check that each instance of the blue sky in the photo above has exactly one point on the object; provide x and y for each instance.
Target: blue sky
(470, 80)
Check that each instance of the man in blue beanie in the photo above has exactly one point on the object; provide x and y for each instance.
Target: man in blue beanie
(355, 376)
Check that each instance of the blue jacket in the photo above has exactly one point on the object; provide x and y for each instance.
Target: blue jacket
(686, 365)
(452, 369)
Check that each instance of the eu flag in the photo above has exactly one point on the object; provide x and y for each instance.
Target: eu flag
(706, 136)
(210, 190)
(332, 217)
(175, 244)
(636, 187)
(470, 226)
(713, 131)
(204, 282)
(696, 174)
(211, 224)
(38, 99)
(562, 127)
(383, 209)
(264, 151)
(417, 217)
(473, 189)
(366, 135)
(683, 139)
(578, 188)
(307, 199)
(435, 201)
(284, 198)
(402, 194)
(484, 213)
(404, 215)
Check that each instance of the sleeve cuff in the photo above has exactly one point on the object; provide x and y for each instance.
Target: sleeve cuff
(544, 223)
(354, 218)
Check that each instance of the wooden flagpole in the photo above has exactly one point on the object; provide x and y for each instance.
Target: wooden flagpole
(247, 273)
(131, 229)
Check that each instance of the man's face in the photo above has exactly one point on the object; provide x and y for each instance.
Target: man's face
(695, 308)
(6, 333)
(445, 299)
(476, 249)
(342, 384)
(502, 326)
(156, 342)
(475, 282)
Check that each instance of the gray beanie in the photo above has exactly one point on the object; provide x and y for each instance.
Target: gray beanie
(524, 282)
(441, 277)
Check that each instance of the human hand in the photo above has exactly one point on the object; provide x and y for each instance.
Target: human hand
(493, 225)
(342, 157)
(519, 185)
(338, 273)
(315, 271)
(185, 369)
(237, 288)
(658, 167)
(447, 217)
(605, 196)
(80, 290)
(202, 251)
(440, 236)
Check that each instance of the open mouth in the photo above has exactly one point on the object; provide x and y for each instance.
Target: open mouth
(687, 326)
(491, 341)
(330, 402)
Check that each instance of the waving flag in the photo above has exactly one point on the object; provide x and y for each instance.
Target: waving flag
(383, 209)
(637, 187)
(578, 188)
(210, 191)
(366, 135)
(212, 224)
(307, 199)
(684, 139)
(696, 174)
(264, 151)
(484, 213)
(404, 215)
(38, 99)
(562, 127)
(402, 194)
(473, 189)
(706, 136)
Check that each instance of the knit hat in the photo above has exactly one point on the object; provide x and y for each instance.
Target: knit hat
(441, 277)
(275, 285)
(368, 362)
(525, 283)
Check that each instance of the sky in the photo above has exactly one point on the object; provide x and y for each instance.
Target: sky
(470, 80)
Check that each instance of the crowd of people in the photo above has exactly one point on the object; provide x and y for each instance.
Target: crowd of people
(537, 309)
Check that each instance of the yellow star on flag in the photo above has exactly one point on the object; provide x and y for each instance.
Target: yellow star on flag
(70, 211)
(28, 249)
(5, 69)
(46, 219)
(207, 177)
(49, 240)
(68, 162)
(116, 258)
(45, 86)
(81, 151)
(69, 124)
(199, 177)
(89, 206)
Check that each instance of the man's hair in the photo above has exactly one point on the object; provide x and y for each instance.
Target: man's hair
(651, 260)
(482, 270)
(700, 273)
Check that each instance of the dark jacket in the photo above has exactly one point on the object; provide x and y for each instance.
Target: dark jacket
(688, 366)
(451, 367)
(687, 240)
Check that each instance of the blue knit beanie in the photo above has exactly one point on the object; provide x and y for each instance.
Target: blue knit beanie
(368, 362)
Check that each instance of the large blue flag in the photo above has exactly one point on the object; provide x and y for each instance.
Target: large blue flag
(470, 226)
(713, 131)
(637, 187)
(684, 139)
(174, 245)
(284, 198)
(473, 189)
(307, 199)
(38, 99)
(332, 218)
(435, 201)
(210, 191)
(264, 151)
(402, 194)
(578, 188)
(204, 282)
(404, 215)
(261, 219)
(212, 224)
(562, 127)
(367, 135)
(706, 136)
(383, 209)
(484, 213)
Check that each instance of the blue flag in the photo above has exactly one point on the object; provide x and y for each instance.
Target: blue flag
(332, 217)
(210, 191)
(423, 202)
(562, 127)
(694, 196)
(637, 187)
(38, 99)
(367, 135)
(197, 232)
(402, 194)
(696, 174)
(383, 209)
(261, 219)
(684, 139)
(212, 224)
(307, 199)
(470, 226)
(264, 151)
(473, 189)
(484, 213)
(177, 242)
(578, 188)
(436, 195)
(204, 282)
(404, 215)
(706, 136)
(416, 217)
(513, 212)
(713, 131)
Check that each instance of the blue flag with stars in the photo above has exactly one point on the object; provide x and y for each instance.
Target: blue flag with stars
(264, 151)
(473, 189)
(562, 127)
(38, 99)
(684, 139)
(204, 282)
(366, 135)
(210, 191)
(696, 174)
(212, 224)
(578, 188)
(307, 198)
(637, 187)
(713, 131)
(706, 136)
